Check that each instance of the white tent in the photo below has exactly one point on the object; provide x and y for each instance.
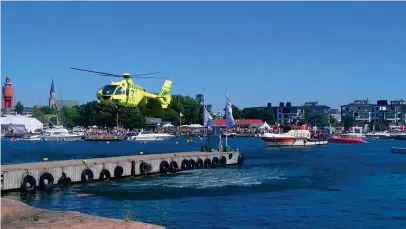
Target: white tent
(264, 126)
(31, 124)
(195, 126)
(167, 125)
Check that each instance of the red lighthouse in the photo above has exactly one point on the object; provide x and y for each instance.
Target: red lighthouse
(8, 95)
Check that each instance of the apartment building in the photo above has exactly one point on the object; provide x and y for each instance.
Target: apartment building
(286, 112)
(391, 113)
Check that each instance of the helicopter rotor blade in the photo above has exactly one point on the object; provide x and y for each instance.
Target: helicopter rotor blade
(99, 73)
(145, 74)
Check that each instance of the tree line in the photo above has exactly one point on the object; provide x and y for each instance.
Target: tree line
(94, 113)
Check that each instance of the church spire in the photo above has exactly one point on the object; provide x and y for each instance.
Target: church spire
(52, 87)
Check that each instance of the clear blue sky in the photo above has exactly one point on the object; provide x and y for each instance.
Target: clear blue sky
(333, 52)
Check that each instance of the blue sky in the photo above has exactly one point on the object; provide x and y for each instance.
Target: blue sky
(331, 52)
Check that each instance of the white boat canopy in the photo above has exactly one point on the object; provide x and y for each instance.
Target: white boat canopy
(264, 126)
(168, 125)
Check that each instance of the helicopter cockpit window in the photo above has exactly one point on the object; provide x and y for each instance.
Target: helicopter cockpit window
(120, 91)
(109, 89)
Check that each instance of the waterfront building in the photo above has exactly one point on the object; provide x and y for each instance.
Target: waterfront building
(287, 113)
(392, 113)
(335, 114)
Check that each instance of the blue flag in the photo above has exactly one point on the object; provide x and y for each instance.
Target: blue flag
(229, 113)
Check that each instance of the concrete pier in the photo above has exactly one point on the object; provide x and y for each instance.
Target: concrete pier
(45, 175)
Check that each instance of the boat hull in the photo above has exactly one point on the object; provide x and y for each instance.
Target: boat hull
(149, 138)
(62, 139)
(347, 140)
(400, 137)
(276, 142)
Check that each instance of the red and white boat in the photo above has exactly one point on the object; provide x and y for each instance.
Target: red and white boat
(347, 139)
(299, 136)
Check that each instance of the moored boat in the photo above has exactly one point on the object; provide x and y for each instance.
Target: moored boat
(401, 136)
(149, 136)
(295, 137)
(59, 134)
(346, 139)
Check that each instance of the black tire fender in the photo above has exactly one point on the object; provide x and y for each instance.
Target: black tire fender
(192, 163)
(87, 176)
(173, 167)
(223, 161)
(28, 184)
(199, 163)
(50, 181)
(144, 167)
(105, 175)
(185, 165)
(207, 163)
(215, 162)
(240, 159)
(118, 171)
(164, 167)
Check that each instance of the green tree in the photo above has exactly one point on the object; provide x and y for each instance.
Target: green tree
(306, 114)
(70, 116)
(348, 122)
(19, 108)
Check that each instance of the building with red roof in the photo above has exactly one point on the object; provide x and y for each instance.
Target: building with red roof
(240, 122)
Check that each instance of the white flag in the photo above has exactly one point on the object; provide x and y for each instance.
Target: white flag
(180, 114)
(229, 114)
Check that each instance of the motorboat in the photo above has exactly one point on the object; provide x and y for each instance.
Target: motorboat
(79, 131)
(149, 136)
(229, 135)
(59, 133)
(380, 135)
(399, 136)
(295, 137)
(33, 136)
(345, 138)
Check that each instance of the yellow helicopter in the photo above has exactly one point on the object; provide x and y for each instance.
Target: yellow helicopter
(127, 93)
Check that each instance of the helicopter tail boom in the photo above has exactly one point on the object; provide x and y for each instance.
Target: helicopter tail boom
(164, 95)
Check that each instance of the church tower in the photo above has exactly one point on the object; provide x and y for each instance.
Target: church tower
(52, 96)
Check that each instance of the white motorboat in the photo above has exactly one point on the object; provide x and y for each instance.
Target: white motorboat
(381, 135)
(79, 131)
(59, 134)
(295, 137)
(149, 136)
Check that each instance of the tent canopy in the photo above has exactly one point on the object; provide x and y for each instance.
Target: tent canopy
(195, 126)
(264, 126)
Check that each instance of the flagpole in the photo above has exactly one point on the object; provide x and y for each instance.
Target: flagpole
(204, 124)
(226, 119)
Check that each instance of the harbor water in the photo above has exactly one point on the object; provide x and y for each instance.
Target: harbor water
(333, 186)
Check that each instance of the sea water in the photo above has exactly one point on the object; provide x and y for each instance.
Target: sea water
(333, 186)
